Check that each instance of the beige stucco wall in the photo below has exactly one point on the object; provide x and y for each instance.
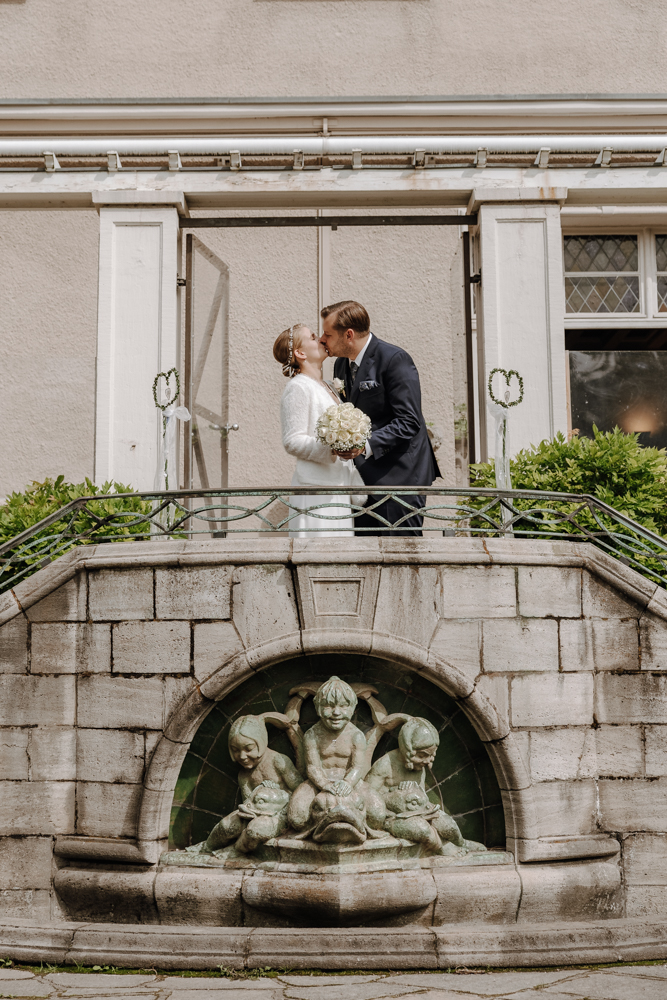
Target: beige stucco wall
(186, 48)
(48, 331)
(410, 279)
(272, 284)
(403, 277)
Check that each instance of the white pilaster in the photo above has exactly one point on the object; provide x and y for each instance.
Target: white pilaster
(521, 310)
(137, 337)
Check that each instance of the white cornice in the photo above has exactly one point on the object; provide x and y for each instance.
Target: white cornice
(336, 188)
(462, 116)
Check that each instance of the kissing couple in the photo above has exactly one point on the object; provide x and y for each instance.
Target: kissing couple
(381, 380)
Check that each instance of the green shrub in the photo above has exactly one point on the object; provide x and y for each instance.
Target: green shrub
(23, 510)
(611, 466)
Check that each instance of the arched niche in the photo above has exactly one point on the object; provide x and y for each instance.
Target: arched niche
(463, 774)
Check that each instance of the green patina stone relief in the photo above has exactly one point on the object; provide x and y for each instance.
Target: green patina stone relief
(207, 788)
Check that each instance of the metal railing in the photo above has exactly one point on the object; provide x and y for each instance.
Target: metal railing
(217, 513)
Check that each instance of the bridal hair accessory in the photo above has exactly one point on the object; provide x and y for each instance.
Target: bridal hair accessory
(343, 427)
(289, 371)
(284, 348)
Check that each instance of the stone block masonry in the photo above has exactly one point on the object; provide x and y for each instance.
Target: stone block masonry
(112, 657)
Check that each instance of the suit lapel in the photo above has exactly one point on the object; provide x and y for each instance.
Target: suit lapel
(362, 374)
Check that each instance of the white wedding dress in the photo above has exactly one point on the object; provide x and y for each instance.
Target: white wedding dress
(303, 402)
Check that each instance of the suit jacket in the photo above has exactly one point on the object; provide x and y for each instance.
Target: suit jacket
(387, 389)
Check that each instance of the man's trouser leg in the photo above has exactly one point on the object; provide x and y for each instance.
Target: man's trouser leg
(392, 511)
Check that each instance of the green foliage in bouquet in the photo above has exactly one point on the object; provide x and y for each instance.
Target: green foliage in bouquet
(102, 520)
(611, 466)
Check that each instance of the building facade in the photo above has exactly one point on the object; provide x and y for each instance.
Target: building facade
(106, 158)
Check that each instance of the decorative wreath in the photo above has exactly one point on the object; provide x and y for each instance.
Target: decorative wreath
(508, 376)
(167, 378)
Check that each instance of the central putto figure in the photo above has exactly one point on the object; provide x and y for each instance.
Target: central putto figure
(336, 752)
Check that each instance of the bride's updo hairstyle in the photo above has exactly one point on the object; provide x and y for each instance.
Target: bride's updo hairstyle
(286, 344)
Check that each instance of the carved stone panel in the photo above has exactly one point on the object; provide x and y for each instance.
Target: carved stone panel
(337, 596)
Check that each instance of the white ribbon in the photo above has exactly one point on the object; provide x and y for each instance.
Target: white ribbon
(502, 456)
(166, 474)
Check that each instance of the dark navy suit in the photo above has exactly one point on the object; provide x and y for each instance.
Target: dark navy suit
(387, 388)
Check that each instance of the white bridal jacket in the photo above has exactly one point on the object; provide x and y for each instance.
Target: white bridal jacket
(303, 402)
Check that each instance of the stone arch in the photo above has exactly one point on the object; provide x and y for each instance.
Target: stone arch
(500, 743)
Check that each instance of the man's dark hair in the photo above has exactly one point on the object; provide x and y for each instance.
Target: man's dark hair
(348, 315)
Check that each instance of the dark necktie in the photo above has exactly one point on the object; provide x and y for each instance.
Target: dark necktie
(354, 368)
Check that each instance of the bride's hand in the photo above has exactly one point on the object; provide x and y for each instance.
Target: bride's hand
(352, 453)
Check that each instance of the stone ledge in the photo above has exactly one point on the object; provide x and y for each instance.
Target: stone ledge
(448, 946)
(594, 845)
(82, 848)
(291, 895)
(388, 551)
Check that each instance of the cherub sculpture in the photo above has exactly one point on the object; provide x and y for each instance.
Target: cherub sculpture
(337, 760)
(249, 746)
(332, 795)
(266, 779)
(399, 778)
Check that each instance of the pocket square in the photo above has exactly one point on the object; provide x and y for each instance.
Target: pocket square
(363, 386)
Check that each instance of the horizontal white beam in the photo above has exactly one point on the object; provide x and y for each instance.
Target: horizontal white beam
(328, 187)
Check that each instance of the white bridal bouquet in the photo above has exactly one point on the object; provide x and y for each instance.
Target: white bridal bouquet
(343, 427)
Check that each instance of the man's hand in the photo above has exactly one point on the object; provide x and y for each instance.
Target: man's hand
(352, 453)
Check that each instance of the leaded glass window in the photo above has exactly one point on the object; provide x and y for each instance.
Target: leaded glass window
(602, 274)
(661, 269)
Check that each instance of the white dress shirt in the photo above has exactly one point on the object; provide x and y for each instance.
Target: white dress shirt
(360, 356)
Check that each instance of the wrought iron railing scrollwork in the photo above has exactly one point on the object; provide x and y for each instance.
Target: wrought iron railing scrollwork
(459, 512)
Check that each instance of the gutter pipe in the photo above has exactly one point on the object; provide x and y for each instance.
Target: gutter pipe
(333, 145)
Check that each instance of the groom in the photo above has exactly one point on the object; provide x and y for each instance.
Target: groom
(381, 380)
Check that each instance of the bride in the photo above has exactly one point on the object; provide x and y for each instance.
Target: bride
(307, 396)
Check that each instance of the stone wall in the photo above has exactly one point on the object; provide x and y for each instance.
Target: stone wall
(112, 656)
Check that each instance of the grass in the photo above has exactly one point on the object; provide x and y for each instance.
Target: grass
(225, 972)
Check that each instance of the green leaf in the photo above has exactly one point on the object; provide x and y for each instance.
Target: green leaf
(22, 511)
(611, 466)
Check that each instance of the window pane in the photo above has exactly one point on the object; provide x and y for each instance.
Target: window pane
(662, 294)
(620, 388)
(601, 253)
(661, 253)
(602, 295)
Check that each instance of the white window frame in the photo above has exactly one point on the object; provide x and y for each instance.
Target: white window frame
(648, 314)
